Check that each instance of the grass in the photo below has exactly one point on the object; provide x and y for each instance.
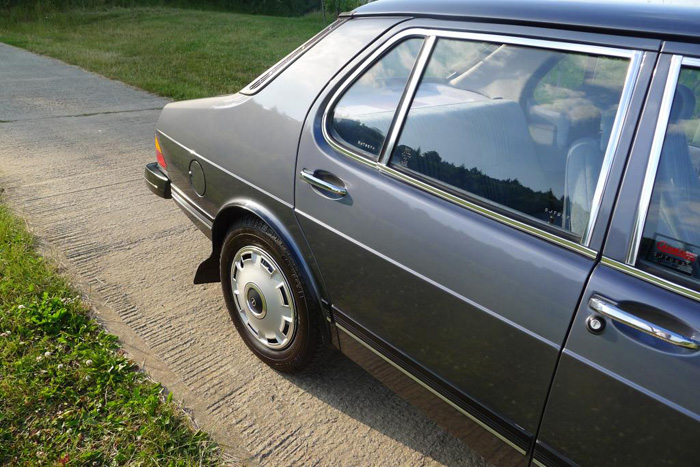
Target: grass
(177, 53)
(67, 394)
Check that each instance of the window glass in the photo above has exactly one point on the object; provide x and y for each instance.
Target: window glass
(523, 129)
(671, 239)
(362, 117)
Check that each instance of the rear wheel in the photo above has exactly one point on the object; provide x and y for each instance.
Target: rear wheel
(267, 298)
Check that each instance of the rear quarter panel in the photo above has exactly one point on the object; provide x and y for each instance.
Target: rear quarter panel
(251, 141)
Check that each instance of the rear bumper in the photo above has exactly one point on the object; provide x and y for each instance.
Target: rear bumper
(157, 181)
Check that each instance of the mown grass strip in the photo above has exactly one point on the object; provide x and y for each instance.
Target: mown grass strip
(177, 53)
(67, 394)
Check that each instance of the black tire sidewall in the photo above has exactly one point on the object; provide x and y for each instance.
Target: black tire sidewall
(300, 351)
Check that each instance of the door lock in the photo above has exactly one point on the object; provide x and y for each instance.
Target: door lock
(595, 324)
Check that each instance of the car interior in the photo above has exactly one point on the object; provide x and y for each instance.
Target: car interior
(536, 142)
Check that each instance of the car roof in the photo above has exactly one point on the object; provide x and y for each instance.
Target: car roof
(677, 21)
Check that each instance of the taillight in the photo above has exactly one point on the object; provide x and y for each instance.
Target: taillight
(159, 155)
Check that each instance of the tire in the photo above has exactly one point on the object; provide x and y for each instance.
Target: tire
(279, 323)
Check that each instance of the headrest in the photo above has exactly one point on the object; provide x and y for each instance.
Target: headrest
(683, 104)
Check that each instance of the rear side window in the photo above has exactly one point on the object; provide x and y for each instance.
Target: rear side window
(362, 117)
(670, 244)
(521, 129)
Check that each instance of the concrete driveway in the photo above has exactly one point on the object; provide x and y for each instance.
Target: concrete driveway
(72, 150)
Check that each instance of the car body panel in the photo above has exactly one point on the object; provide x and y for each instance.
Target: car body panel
(640, 394)
(214, 127)
(486, 321)
(630, 396)
(426, 278)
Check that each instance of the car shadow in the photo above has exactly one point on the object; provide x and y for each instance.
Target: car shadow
(347, 387)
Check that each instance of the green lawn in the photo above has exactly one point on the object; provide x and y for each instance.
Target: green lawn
(67, 395)
(176, 53)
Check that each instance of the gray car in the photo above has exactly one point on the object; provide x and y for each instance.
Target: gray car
(493, 206)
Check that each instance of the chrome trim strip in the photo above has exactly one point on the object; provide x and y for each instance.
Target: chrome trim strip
(186, 206)
(349, 81)
(183, 196)
(431, 281)
(289, 59)
(654, 157)
(610, 310)
(503, 219)
(407, 98)
(652, 279)
(237, 177)
(615, 134)
(538, 463)
(433, 391)
(635, 57)
(151, 183)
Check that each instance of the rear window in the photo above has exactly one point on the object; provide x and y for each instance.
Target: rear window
(362, 117)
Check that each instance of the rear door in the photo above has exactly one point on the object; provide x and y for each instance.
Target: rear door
(436, 206)
(627, 389)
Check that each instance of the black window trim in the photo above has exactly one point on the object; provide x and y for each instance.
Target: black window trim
(431, 35)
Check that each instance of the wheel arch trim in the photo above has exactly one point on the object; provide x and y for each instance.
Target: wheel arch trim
(238, 207)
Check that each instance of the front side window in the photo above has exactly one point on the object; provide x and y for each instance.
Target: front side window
(362, 117)
(670, 244)
(521, 129)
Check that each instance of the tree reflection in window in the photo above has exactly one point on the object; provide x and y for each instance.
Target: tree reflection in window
(510, 193)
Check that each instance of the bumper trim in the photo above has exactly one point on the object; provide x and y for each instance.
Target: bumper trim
(157, 181)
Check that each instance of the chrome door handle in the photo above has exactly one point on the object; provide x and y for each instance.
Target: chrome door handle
(608, 309)
(319, 183)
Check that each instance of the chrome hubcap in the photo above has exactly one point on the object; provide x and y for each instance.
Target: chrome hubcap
(263, 298)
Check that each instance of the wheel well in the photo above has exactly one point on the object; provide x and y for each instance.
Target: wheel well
(222, 223)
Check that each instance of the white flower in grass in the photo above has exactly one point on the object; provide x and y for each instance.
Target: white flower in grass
(47, 354)
(88, 362)
(21, 307)
(39, 358)
(60, 366)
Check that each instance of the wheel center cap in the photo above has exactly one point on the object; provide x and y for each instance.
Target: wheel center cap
(255, 301)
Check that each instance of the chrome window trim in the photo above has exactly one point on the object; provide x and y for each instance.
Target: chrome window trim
(651, 278)
(406, 100)
(613, 143)
(502, 218)
(350, 80)
(654, 157)
(629, 266)
(431, 36)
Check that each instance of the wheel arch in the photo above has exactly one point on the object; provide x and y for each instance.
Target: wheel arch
(239, 208)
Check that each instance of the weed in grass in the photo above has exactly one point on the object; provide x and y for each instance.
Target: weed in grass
(67, 394)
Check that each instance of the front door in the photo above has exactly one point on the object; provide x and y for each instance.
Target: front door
(458, 245)
(627, 390)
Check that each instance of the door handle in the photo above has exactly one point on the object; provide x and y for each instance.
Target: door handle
(611, 311)
(321, 184)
